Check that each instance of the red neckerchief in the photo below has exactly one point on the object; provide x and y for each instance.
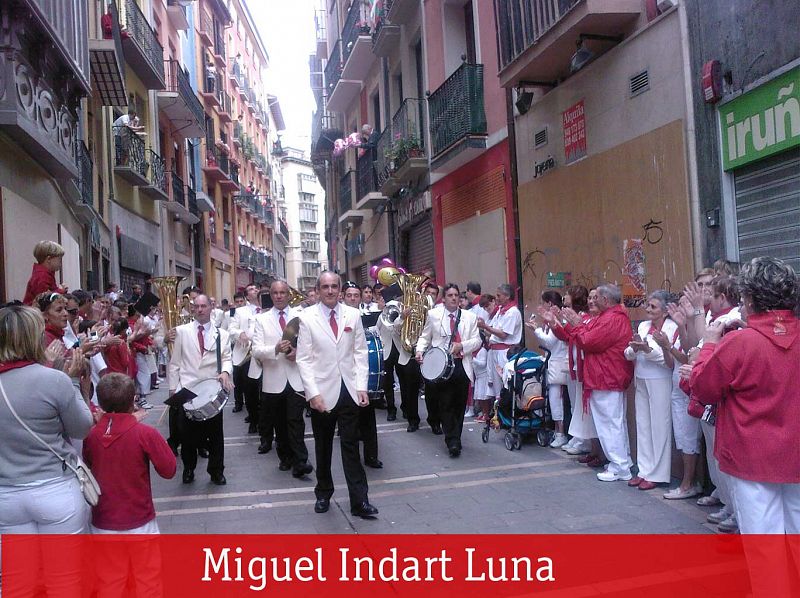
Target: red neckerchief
(13, 365)
(507, 306)
(721, 312)
(476, 301)
(55, 331)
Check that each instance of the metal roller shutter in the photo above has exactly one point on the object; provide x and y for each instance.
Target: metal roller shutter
(768, 208)
(420, 254)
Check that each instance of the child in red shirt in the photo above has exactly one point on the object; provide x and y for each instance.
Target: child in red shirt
(48, 256)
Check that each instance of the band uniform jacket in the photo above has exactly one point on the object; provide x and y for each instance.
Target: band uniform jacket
(437, 334)
(276, 368)
(391, 334)
(244, 320)
(186, 365)
(325, 361)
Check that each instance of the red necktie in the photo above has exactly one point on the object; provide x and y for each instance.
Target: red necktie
(334, 326)
(282, 322)
(453, 332)
(201, 340)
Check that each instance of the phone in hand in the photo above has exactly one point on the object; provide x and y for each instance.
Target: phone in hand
(93, 336)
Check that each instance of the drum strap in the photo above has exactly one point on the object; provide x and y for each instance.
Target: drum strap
(219, 355)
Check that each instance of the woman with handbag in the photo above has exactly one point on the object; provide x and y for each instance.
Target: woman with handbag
(558, 365)
(40, 409)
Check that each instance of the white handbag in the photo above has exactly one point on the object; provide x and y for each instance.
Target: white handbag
(558, 372)
(89, 486)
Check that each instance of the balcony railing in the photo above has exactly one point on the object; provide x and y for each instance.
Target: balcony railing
(235, 173)
(191, 199)
(366, 181)
(178, 82)
(333, 69)
(245, 254)
(217, 159)
(206, 29)
(456, 108)
(346, 193)
(178, 189)
(139, 31)
(408, 138)
(129, 151)
(85, 170)
(238, 132)
(219, 42)
(522, 22)
(158, 175)
(283, 229)
(226, 239)
(354, 25)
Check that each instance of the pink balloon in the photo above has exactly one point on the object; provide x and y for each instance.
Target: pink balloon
(402, 271)
(387, 262)
(373, 272)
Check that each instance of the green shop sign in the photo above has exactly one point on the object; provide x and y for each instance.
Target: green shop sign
(762, 122)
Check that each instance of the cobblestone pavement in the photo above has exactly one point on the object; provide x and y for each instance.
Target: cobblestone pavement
(419, 490)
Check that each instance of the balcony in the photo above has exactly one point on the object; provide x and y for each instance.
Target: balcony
(129, 157)
(206, 28)
(231, 183)
(537, 37)
(357, 56)
(107, 61)
(176, 12)
(400, 154)
(458, 120)
(283, 230)
(347, 214)
(85, 170)
(212, 90)
(368, 195)
(219, 46)
(320, 26)
(238, 134)
(341, 92)
(385, 36)
(177, 203)
(180, 104)
(225, 109)
(400, 12)
(158, 189)
(140, 44)
(217, 166)
(191, 203)
(245, 255)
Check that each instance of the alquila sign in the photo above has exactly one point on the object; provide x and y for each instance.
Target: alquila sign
(762, 122)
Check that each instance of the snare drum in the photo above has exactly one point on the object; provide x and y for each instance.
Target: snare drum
(209, 402)
(437, 365)
(375, 353)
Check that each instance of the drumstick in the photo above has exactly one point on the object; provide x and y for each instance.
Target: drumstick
(163, 413)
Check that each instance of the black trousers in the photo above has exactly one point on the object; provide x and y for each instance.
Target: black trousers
(450, 399)
(246, 390)
(368, 431)
(345, 413)
(196, 435)
(175, 427)
(389, 365)
(281, 414)
(409, 378)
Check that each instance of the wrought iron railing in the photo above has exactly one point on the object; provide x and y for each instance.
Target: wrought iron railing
(346, 193)
(366, 181)
(384, 164)
(129, 150)
(235, 173)
(217, 159)
(354, 25)
(139, 30)
(158, 175)
(206, 24)
(456, 108)
(178, 82)
(225, 103)
(219, 42)
(408, 132)
(283, 228)
(245, 254)
(191, 201)
(333, 69)
(320, 25)
(522, 22)
(238, 130)
(226, 239)
(85, 170)
(178, 189)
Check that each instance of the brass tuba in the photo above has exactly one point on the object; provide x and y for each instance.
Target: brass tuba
(295, 297)
(419, 303)
(166, 287)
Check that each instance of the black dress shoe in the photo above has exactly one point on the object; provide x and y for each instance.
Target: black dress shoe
(373, 463)
(203, 453)
(412, 427)
(454, 451)
(436, 429)
(322, 505)
(188, 476)
(237, 408)
(285, 466)
(302, 469)
(264, 448)
(252, 428)
(392, 416)
(218, 479)
(246, 417)
(363, 510)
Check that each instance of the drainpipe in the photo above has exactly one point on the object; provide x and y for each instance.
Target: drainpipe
(512, 150)
(390, 209)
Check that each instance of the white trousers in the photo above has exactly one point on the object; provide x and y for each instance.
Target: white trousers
(495, 363)
(608, 411)
(582, 424)
(55, 507)
(142, 374)
(654, 428)
(720, 479)
(556, 400)
(685, 427)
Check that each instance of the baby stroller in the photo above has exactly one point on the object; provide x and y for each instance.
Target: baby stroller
(523, 408)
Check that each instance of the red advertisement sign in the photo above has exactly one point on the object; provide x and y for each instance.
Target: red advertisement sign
(574, 122)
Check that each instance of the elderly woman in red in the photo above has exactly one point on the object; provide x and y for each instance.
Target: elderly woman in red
(748, 375)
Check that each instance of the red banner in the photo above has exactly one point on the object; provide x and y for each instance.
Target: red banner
(574, 123)
(403, 565)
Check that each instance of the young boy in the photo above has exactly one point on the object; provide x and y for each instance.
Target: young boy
(119, 451)
(48, 255)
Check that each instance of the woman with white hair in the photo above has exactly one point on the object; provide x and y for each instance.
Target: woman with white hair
(653, 379)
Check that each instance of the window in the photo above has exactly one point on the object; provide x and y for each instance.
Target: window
(308, 211)
(311, 269)
(309, 242)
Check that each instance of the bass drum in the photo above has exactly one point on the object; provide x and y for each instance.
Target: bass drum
(375, 355)
(209, 402)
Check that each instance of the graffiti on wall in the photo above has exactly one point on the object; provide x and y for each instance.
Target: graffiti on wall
(634, 286)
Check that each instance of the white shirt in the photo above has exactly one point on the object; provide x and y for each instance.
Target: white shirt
(559, 351)
(508, 320)
(206, 333)
(480, 312)
(326, 311)
(70, 338)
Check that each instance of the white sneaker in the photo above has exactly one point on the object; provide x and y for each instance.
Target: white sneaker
(145, 404)
(729, 526)
(610, 476)
(678, 494)
(719, 516)
(576, 449)
(559, 441)
(570, 444)
(708, 501)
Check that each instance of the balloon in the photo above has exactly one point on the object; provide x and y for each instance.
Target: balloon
(387, 262)
(373, 272)
(386, 275)
(402, 271)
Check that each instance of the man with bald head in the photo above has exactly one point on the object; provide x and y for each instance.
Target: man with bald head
(201, 350)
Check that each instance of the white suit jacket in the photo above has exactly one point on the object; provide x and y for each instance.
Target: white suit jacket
(243, 320)
(437, 334)
(325, 361)
(391, 334)
(186, 365)
(276, 368)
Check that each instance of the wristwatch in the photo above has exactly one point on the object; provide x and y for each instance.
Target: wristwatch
(698, 312)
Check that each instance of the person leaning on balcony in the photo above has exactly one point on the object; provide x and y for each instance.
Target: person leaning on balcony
(48, 255)
(211, 76)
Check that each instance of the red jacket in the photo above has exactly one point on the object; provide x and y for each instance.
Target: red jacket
(41, 280)
(603, 340)
(119, 451)
(119, 359)
(749, 376)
